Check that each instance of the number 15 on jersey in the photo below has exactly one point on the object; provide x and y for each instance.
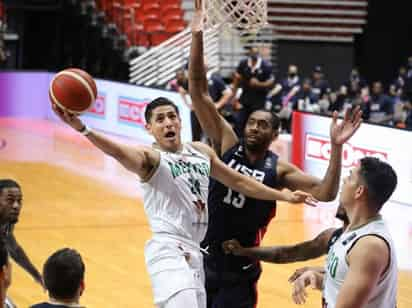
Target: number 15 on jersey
(234, 198)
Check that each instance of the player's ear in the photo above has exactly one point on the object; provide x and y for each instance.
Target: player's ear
(148, 127)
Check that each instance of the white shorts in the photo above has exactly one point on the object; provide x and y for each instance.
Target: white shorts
(173, 266)
(185, 298)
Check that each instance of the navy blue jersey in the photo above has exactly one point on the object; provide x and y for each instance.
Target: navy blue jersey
(232, 215)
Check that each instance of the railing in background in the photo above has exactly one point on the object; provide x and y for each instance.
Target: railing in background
(158, 65)
(317, 20)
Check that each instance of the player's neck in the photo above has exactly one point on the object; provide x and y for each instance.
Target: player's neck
(74, 302)
(360, 217)
(176, 149)
(254, 156)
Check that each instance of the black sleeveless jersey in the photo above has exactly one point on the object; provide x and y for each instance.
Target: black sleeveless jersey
(232, 215)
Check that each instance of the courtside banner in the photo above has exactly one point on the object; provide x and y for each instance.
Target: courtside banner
(311, 150)
(120, 108)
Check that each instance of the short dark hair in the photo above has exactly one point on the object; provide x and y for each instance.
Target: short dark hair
(8, 183)
(160, 101)
(379, 178)
(63, 273)
(274, 120)
(4, 255)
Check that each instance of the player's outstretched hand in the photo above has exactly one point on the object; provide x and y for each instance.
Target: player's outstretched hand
(299, 196)
(343, 131)
(68, 118)
(299, 293)
(198, 17)
(232, 247)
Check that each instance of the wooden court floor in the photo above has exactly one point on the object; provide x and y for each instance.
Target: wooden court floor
(75, 197)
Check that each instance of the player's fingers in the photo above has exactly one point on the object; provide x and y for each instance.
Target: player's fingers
(293, 277)
(311, 201)
(226, 248)
(346, 118)
(355, 113)
(198, 4)
(299, 291)
(313, 282)
(335, 115)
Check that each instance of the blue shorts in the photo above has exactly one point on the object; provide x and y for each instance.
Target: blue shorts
(231, 289)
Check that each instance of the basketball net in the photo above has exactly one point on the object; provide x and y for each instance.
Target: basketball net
(245, 17)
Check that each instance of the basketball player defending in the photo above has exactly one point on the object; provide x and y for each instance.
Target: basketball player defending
(11, 198)
(361, 269)
(231, 280)
(175, 180)
(304, 251)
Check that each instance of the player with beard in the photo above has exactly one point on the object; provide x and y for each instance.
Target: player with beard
(11, 198)
(231, 280)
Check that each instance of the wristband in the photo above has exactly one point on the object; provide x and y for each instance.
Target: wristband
(85, 130)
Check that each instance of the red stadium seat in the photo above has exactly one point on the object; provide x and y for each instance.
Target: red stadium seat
(151, 13)
(157, 38)
(170, 6)
(174, 26)
(171, 2)
(172, 12)
(146, 6)
(166, 18)
(153, 25)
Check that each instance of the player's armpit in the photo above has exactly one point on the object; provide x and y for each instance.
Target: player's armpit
(367, 260)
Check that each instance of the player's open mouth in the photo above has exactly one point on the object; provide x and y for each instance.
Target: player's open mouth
(170, 135)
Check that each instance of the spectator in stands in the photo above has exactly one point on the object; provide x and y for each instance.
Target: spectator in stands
(396, 89)
(218, 90)
(408, 121)
(63, 275)
(320, 86)
(407, 90)
(5, 274)
(380, 108)
(255, 76)
(283, 94)
(306, 99)
(340, 101)
(181, 84)
(355, 78)
(220, 93)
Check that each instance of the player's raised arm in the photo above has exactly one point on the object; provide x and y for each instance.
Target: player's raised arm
(283, 254)
(215, 126)
(327, 188)
(138, 159)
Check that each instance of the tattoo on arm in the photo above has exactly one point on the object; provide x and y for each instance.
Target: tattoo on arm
(299, 252)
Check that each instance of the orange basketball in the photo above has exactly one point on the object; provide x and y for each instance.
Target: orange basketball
(73, 90)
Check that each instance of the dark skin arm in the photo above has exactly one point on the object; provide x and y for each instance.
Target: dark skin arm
(326, 189)
(20, 257)
(283, 254)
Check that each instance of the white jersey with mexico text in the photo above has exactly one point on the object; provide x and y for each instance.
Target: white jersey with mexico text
(175, 197)
(385, 292)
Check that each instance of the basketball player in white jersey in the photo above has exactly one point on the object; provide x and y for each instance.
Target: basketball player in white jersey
(175, 180)
(361, 268)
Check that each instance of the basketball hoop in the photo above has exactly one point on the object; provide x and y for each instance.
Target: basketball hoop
(246, 17)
